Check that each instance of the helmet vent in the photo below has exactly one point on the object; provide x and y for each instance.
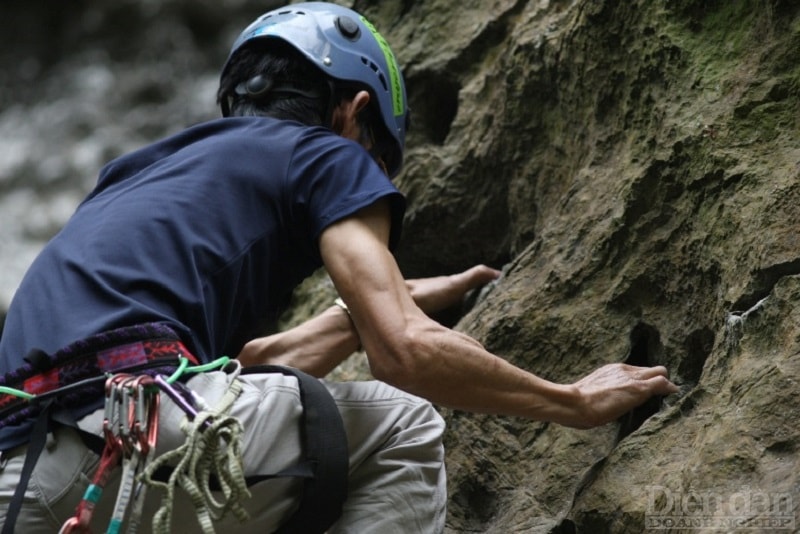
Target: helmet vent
(377, 71)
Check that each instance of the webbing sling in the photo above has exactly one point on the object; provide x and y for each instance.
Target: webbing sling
(325, 452)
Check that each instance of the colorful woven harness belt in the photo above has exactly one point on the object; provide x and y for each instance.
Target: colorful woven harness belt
(150, 348)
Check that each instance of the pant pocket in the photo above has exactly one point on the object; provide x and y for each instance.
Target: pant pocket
(58, 482)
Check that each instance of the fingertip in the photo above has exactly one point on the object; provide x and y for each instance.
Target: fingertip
(495, 273)
(485, 274)
(664, 386)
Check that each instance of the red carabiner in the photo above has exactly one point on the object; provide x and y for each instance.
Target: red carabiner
(73, 526)
(145, 425)
(110, 457)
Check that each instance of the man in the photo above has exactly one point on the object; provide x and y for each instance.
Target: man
(205, 235)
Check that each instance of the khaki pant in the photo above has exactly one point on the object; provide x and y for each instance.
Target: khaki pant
(396, 485)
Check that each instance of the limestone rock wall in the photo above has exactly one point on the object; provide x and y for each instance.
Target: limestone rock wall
(634, 167)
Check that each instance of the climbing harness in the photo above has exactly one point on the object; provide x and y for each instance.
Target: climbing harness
(208, 466)
(78, 371)
(43, 391)
(130, 427)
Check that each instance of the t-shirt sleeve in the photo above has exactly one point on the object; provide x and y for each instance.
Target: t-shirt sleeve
(332, 178)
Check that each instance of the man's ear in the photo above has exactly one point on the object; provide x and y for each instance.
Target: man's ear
(360, 101)
(344, 120)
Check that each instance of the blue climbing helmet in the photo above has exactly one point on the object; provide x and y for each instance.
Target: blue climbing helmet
(347, 48)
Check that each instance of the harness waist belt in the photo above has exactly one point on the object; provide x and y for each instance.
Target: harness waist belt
(154, 348)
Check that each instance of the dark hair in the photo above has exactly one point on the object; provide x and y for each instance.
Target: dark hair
(308, 95)
(286, 66)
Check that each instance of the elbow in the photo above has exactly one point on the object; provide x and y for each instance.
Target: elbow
(396, 375)
(402, 362)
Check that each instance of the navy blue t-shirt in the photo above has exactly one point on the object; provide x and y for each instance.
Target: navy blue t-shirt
(208, 231)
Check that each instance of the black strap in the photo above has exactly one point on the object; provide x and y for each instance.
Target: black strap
(35, 448)
(325, 448)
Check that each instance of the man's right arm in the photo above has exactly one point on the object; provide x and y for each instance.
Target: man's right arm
(407, 349)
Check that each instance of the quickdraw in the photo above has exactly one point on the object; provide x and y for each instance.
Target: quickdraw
(139, 443)
(130, 428)
(112, 453)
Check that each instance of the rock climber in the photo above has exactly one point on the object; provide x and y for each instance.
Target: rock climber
(113, 356)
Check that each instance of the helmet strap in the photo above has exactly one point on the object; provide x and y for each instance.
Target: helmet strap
(328, 119)
(262, 88)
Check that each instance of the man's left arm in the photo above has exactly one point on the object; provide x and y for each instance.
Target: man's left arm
(319, 344)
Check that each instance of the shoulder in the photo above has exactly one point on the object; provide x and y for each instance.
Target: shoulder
(264, 137)
(323, 153)
(250, 130)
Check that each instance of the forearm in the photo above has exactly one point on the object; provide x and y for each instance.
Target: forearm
(407, 349)
(455, 371)
(316, 346)
(440, 292)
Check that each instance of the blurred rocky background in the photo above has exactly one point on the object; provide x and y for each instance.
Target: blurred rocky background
(633, 167)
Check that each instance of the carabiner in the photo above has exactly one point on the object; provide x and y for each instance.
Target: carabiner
(145, 425)
(71, 526)
(112, 452)
(177, 397)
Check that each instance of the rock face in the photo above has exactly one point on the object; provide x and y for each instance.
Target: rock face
(633, 166)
